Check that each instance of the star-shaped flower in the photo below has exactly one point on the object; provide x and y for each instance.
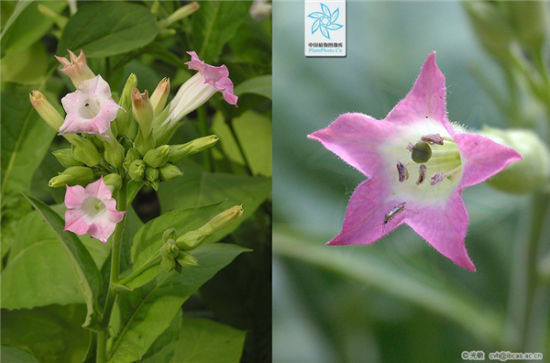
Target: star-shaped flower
(90, 109)
(325, 21)
(417, 165)
(91, 210)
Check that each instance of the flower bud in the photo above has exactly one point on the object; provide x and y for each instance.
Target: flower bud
(179, 14)
(124, 118)
(84, 150)
(169, 234)
(168, 264)
(77, 68)
(528, 20)
(71, 176)
(179, 152)
(491, 26)
(114, 152)
(143, 111)
(131, 155)
(169, 250)
(151, 174)
(527, 175)
(160, 96)
(113, 181)
(144, 144)
(259, 10)
(185, 259)
(65, 158)
(192, 239)
(136, 170)
(157, 157)
(169, 172)
(46, 110)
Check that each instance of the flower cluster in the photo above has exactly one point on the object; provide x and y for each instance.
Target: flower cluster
(417, 164)
(114, 143)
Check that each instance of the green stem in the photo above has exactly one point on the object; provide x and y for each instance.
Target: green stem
(525, 283)
(113, 280)
(154, 259)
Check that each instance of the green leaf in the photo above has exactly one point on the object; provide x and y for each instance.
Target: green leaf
(143, 314)
(162, 349)
(103, 29)
(12, 354)
(28, 26)
(84, 267)
(202, 340)
(417, 288)
(52, 333)
(227, 141)
(25, 139)
(254, 133)
(214, 24)
(198, 188)
(26, 67)
(148, 240)
(258, 85)
(38, 270)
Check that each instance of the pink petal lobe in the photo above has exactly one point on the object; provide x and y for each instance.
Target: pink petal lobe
(365, 215)
(426, 99)
(444, 228)
(99, 189)
(102, 229)
(75, 221)
(482, 158)
(75, 196)
(354, 137)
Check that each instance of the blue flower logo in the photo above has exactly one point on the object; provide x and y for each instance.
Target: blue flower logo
(325, 21)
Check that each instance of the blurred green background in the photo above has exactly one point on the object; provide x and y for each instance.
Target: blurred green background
(397, 300)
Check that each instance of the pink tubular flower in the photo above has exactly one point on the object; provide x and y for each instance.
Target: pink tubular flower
(199, 88)
(90, 109)
(91, 210)
(417, 166)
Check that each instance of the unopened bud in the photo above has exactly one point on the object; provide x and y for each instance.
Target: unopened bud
(136, 170)
(77, 68)
(113, 181)
(179, 14)
(124, 117)
(157, 157)
(160, 96)
(169, 172)
(131, 155)
(84, 150)
(143, 111)
(151, 174)
(186, 259)
(46, 110)
(72, 176)
(65, 158)
(114, 152)
(528, 21)
(527, 175)
(192, 239)
(179, 152)
(168, 264)
(169, 234)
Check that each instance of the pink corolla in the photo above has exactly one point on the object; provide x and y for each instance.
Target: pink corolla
(91, 210)
(199, 88)
(417, 165)
(90, 109)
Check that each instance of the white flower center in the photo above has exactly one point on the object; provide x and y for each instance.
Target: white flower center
(93, 207)
(90, 108)
(423, 163)
(325, 20)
